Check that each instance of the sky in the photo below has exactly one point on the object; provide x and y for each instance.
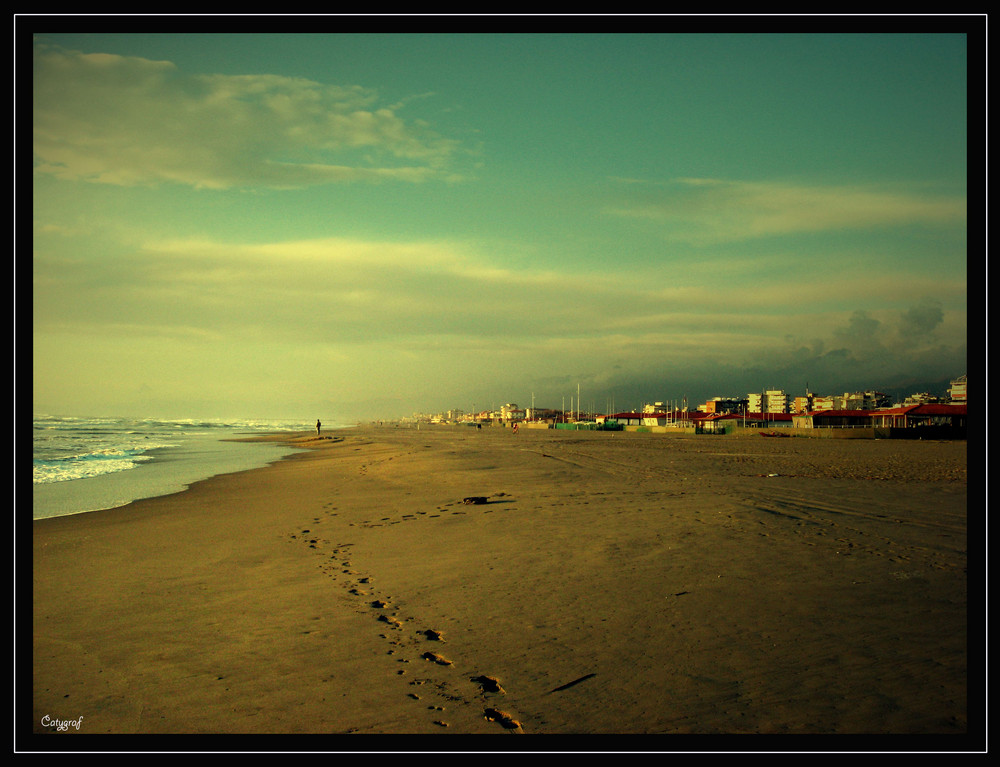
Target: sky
(359, 225)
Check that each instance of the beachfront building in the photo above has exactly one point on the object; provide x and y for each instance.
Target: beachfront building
(803, 404)
(767, 401)
(511, 412)
(927, 414)
(628, 419)
(865, 400)
(930, 419)
(544, 415)
(723, 405)
(719, 423)
(832, 419)
(859, 400)
(921, 398)
(957, 392)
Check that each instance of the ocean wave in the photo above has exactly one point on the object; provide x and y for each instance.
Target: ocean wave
(106, 460)
(77, 447)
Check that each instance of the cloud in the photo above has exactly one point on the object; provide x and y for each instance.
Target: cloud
(131, 121)
(443, 293)
(921, 319)
(359, 316)
(706, 211)
(865, 351)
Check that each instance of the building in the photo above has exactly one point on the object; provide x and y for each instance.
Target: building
(931, 420)
(859, 400)
(723, 405)
(833, 419)
(511, 412)
(957, 391)
(718, 423)
(822, 403)
(921, 398)
(864, 400)
(767, 401)
(626, 419)
(923, 415)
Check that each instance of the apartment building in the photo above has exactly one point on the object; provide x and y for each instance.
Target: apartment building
(767, 401)
(957, 391)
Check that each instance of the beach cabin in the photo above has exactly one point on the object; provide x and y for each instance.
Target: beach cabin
(833, 419)
(766, 420)
(654, 419)
(934, 421)
(717, 423)
(930, 421)
(628, 419)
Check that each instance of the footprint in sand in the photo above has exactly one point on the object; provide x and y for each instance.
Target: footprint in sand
(489, 684)
(502, 717)
(433, 635)
(435, 658)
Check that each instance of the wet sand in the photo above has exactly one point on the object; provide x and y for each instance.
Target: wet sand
(611, 584)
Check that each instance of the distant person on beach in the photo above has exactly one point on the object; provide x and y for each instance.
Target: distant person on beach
(318, 424)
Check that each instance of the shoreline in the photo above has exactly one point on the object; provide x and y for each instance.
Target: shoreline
(616, 586)
(169, 469)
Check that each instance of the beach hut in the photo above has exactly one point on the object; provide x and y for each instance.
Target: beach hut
(629, 419)
(838, 419)
(950, 419)
(716, 423)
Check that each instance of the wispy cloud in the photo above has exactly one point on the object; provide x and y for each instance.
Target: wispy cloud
(131, 121)
(707, 211)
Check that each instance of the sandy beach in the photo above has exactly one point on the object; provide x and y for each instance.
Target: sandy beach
(609, 584)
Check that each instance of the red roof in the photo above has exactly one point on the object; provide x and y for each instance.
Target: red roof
(748, 416)
(929, 409)
(678, 415)
(935, 409)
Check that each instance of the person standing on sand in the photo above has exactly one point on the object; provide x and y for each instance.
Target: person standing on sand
(318, 424)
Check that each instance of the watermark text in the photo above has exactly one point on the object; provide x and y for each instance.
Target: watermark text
(61, 725)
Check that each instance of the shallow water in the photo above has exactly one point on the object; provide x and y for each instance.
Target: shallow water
(91, 464)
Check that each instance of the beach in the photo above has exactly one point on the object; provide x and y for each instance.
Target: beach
(596, 583)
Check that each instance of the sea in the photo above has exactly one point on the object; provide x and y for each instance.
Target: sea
(91, 464)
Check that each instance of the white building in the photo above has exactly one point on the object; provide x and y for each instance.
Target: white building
(957, 392)
(511, 412)
(767, 401)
